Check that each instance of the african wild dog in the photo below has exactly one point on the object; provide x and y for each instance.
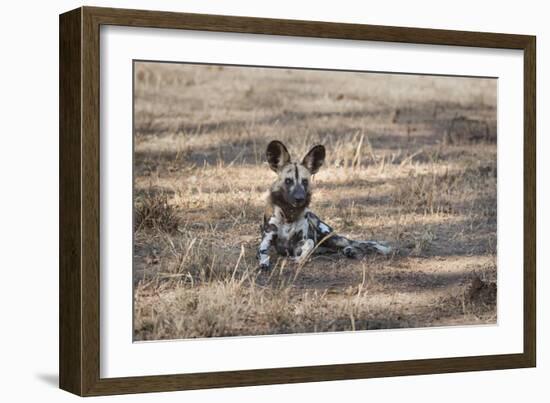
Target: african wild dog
(288, 224)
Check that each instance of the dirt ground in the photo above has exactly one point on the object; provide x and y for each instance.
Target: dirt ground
(411, 161)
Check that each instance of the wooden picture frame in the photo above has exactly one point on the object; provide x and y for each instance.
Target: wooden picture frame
(79, 201)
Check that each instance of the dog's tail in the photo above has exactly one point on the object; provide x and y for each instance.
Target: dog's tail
(373, 246)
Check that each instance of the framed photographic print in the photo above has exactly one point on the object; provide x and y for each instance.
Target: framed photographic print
(250, 201)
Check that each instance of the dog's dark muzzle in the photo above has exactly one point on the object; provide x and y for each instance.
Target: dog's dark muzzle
(298, 195)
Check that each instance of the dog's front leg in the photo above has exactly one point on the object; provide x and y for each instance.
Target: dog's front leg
(304, 250)
(263, 251)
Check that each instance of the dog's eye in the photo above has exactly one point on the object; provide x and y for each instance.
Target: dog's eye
(304, 182)
(288, 181)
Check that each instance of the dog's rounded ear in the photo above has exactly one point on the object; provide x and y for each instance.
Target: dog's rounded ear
(277, 155)
(314, 159)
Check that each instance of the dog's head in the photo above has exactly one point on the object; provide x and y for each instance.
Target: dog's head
(292, 187)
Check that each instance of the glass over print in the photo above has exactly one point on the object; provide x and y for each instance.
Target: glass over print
(242, 226)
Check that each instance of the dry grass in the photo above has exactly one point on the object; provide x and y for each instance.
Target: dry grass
(152, 211)
(411, 161)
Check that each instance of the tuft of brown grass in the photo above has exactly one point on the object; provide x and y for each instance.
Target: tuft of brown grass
(153, 211)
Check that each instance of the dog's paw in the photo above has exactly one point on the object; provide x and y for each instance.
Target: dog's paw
(264, 261)
(265, 266)
(350, 252)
